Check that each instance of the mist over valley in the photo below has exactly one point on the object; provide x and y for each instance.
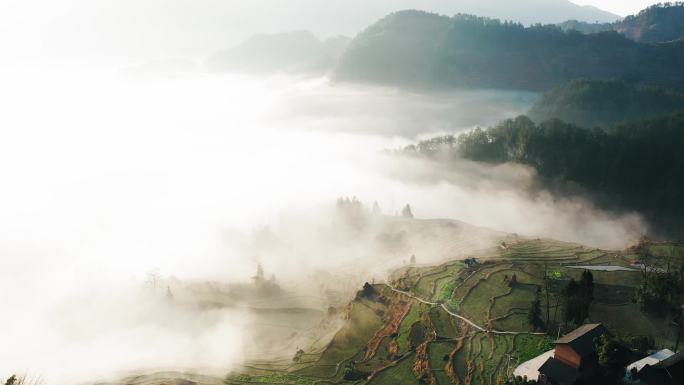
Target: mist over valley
(368, 194)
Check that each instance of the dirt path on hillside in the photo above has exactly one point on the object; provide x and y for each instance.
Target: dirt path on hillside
(464, 319)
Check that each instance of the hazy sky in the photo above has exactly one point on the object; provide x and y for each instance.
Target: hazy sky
(120, 30)
(620, 7)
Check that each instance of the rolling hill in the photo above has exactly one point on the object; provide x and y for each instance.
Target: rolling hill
(424, 50)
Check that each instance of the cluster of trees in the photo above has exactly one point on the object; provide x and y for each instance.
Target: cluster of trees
(584, 27)
(577, 298)
(16, 380)
(635, 165)
(604, 103)
(419, 49)
(368, 292)
(354, 213)
(351, 212)
(660, 292)
(535, 313)
(406, 212)
(615, 352)
(351, 373)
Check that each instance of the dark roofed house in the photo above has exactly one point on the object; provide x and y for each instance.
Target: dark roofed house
(574, 354)
(577, 347)
(555, 372)
(667, 372)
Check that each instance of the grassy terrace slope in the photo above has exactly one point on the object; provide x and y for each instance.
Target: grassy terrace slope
(464, 323)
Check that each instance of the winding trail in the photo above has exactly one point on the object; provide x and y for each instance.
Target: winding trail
(464, 319)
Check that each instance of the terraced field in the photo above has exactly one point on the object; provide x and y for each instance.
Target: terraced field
(463, 322)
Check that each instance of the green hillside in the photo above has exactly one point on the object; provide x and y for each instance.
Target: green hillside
(591, 103)
(418, 49)
(466, 322)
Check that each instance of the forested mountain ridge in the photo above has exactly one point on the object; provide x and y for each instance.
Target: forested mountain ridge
(424, 50)
(656, 24)
(634, 166)
(590, 103)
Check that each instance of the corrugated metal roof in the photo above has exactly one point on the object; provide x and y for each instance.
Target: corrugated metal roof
(579, 332)
(651, 360)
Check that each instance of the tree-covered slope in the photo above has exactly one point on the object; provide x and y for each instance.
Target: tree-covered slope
(655, 24)
(590, 103)
(418, 49)
(635, 165)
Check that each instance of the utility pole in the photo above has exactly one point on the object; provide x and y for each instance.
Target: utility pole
(679, 334)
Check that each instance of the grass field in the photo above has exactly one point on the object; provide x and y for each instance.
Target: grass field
(401, 373)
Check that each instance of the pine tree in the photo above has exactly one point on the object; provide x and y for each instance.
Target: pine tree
(406, 212)
(534, 315)
(514, 280)
(570, 310)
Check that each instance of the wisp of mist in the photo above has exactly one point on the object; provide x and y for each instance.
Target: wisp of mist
(109, 180)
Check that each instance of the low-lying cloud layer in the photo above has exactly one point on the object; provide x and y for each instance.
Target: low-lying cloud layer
(108, 179)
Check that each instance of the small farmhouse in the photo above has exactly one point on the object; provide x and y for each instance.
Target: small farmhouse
(667, 371)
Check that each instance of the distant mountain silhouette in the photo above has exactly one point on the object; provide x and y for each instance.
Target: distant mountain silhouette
(297, 52)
